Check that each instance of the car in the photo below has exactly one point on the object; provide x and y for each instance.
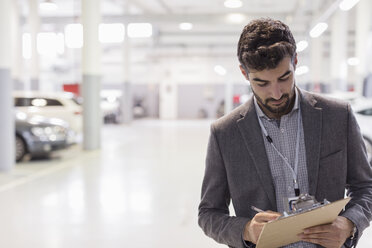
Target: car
(61, 105)
(110, 105)
(349, 96)
(39, 136)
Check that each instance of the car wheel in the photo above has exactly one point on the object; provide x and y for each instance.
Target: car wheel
(20, 148)
(368, 144)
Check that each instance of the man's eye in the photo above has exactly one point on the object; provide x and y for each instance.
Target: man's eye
(262, 85)
(283, 79)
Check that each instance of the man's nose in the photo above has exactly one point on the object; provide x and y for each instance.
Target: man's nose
(276, 92)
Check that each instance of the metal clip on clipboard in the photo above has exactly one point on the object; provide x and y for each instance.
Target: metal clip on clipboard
(303, 203)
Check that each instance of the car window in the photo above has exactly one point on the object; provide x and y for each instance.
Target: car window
(53, 102)
(35, 102)
(366, 112)
(22, 101)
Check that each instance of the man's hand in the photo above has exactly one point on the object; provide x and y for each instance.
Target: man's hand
(254, 227)
(330, 235)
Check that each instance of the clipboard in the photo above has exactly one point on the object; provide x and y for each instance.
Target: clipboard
(284, 231)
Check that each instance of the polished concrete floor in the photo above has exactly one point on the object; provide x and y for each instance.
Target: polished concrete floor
(140, 190)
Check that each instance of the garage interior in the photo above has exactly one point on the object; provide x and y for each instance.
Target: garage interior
(148, 77)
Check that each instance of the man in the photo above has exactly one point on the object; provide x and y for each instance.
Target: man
(282, 142)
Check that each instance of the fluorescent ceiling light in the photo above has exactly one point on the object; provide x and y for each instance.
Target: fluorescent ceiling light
(318, 29)
(345, 5)
(220, 70)
(74, 35)
(301, 45)
(353, 61)
(111, 33)
(47, 44)
(236, 18)
(185, 26)
(302, 70)
(139, 30)
(48, 6)
(233, 4)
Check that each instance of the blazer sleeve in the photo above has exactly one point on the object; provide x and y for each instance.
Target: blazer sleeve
(214, 217)
(359, 178)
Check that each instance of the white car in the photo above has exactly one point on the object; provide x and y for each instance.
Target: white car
(62, 105)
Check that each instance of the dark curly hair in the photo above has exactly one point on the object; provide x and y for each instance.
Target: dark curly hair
(264, 43)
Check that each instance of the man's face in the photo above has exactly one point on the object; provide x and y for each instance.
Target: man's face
(274, 88)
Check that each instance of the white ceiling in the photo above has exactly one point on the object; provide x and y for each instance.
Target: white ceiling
(210, 18)
(205, 14)
(213, 36)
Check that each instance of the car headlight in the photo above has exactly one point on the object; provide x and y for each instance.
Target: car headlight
(50, 132)
(38, 131)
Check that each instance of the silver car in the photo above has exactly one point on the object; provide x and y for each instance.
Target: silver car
(39, 136)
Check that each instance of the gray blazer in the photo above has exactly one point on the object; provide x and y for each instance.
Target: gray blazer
(237, 167)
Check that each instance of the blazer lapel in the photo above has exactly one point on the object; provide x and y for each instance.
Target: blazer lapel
(250, 130)
(312, 126)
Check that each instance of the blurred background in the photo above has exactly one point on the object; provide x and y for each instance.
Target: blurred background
(105, 108)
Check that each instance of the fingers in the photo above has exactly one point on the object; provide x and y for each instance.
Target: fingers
(319, 233)
(319, 229)
(323, 239)
(266, 216)
(322, 242)
(272, 212)
(321, 236)
(254, 227)
(325, 235)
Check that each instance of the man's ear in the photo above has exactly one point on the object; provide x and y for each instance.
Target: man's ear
(244, 72)
(295, 61)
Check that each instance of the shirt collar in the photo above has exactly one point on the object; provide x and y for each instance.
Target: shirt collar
(260, 113)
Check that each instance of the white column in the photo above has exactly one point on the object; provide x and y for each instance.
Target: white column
(34, 25)
(91, 68)
(339, 29)
(127, 99)
(7, 132)
(363, 32)
(16, 47)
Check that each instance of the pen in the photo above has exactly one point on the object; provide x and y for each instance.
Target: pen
(257, 209)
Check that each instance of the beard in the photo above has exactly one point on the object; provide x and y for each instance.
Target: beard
(279, 110)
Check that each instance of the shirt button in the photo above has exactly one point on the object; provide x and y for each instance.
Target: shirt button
(282, 130)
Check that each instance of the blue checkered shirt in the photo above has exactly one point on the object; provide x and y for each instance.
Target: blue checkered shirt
(283, 134)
